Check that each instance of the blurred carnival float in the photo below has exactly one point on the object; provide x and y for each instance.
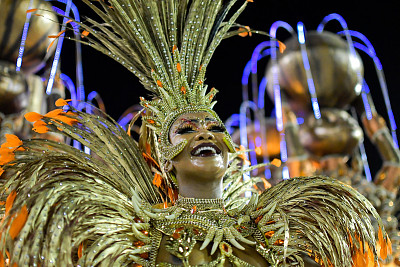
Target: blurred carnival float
(31, 41)
(24, 55)
(323, 107)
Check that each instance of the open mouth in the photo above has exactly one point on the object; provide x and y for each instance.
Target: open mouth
(206, 150)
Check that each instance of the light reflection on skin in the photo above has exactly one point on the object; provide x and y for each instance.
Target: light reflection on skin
(199, 176)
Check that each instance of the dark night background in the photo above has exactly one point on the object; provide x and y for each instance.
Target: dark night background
(379, 22)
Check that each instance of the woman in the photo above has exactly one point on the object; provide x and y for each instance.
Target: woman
(172, 199)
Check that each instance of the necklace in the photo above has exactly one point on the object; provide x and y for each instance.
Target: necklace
(206, 221)
(196, 205)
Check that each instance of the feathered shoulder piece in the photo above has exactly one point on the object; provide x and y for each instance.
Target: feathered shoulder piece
(62, 203)
(63, 207)
(320, 217)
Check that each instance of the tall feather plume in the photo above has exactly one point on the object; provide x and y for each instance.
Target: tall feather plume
(144, 34)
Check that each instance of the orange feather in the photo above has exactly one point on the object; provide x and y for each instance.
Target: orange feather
(12, 141)
(85, 33)
(10, 201)
(19, 222)
(31, 10)
(157, 180)
(6, 155)
(80, 250)
(282, 46)
(54, 113)
(33, 116)
(40, 127)
(62, 102)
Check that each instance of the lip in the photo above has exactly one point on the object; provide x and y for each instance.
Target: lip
(206, 150)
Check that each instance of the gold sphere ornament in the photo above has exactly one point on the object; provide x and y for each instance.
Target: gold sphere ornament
(43, 23)
(13, 89)
(335, 72)
(335, 133)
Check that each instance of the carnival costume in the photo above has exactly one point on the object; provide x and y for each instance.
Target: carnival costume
(64, 207)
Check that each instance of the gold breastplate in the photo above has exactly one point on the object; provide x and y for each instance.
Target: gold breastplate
(204, 234)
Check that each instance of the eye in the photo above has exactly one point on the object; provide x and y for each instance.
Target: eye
(216, 128)
(185, 129)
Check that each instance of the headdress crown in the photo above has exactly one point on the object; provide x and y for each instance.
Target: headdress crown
(167, 44)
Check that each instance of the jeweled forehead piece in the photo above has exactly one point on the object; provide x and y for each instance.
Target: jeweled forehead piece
(170, 105)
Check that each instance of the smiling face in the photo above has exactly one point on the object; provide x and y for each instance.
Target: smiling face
(205, 157)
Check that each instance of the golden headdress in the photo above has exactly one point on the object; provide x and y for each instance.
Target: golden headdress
(168, 45)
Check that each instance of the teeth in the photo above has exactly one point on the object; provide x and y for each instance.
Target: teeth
(199, 150)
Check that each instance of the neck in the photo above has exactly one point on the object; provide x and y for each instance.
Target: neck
(200, 189)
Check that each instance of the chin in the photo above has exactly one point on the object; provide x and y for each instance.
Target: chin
(204, 168)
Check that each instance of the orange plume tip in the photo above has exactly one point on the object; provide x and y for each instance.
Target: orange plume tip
(19, 222)
(50, 45)
(41, 129)
(80, 250)
(6, 155)
(85, 33)
(1, 172)
(31, 10)
(246, 31)
(178, 67)
(148, 158)
(159, 83)
(69, 21)
(10, 200)
(389, 244)
(148, 148)
(276, 162)
(61, 32)
(157, 180)
(62, 102)
(282, 47)
(39, 123)
(250, 1)
(385, 245)
(54, 113)
(243, 33)
(33, 116)
(266, 183)
(12, 141)
(66, 120)
(174, 48)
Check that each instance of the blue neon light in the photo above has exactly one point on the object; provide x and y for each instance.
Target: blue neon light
(71, 88)
(58, 50)
(306, 63)
(24, 35)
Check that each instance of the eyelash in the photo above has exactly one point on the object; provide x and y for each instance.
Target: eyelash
(190, 128)
(185, 129)
(216, 128)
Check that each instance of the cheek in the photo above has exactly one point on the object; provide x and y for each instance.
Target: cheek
(176, 139)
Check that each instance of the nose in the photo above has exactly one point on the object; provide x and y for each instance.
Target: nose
(205, 135)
